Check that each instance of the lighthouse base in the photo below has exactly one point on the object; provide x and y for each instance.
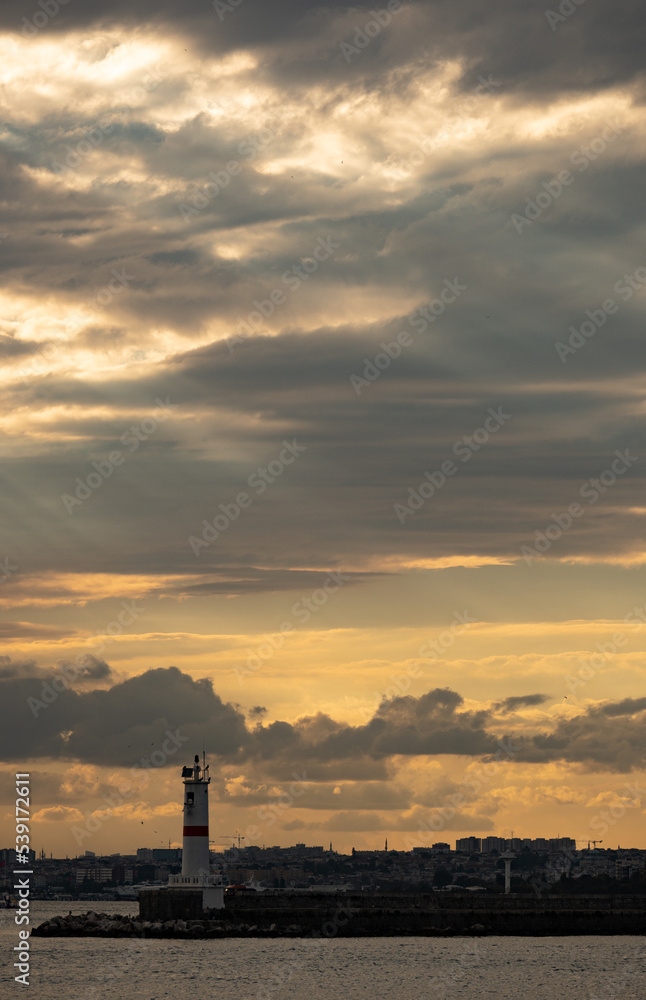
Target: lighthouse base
(193, 881)
(213, 898)
(210, 886)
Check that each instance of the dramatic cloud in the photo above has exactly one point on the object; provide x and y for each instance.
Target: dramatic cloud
(135, 719)
(322, 341)
(324, 230)
(610, 737)
(520, 701)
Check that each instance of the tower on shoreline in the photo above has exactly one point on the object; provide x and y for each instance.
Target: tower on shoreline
(196, 875)
(195, 853)
(508, 857)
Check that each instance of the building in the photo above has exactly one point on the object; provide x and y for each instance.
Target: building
(167, 854)
(490, 844)
(562, 845)
(302, 851)
(469, 845)
(93, 873)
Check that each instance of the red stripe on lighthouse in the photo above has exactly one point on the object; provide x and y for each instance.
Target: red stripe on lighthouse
(196, 831)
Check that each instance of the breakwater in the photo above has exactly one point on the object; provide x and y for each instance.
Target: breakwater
(176, 913)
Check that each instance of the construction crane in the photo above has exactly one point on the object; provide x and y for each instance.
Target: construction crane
(588, 842)
(231, 836)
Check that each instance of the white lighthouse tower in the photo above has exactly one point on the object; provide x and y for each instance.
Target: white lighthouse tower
(195, 853)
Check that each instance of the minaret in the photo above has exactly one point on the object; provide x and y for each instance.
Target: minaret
(195, 854)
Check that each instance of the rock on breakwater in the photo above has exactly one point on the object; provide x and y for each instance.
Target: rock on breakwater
(94, 924)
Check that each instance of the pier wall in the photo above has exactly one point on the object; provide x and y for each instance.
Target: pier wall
(352, 914)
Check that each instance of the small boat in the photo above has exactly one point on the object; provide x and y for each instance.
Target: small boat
(11, 903)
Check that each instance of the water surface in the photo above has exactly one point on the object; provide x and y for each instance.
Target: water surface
(561, 968)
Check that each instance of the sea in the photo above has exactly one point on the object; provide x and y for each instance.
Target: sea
(411, 968)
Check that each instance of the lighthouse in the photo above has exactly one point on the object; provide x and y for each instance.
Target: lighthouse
(195, 853)
(196, 874)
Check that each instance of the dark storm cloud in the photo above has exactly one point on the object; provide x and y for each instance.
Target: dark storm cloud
(520, 701)
(494, 347)
(598, 45)
(430, 724)
(629, 706)
(118, 726)
(92, 669)
(175, 280)
(362, 455)
(10, 348)
(610, 737)
(129, 721)
(16, 669)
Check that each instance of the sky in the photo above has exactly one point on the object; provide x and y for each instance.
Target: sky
(322, 420)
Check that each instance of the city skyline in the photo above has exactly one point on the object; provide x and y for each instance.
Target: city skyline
(534, 867)
(541, 843)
